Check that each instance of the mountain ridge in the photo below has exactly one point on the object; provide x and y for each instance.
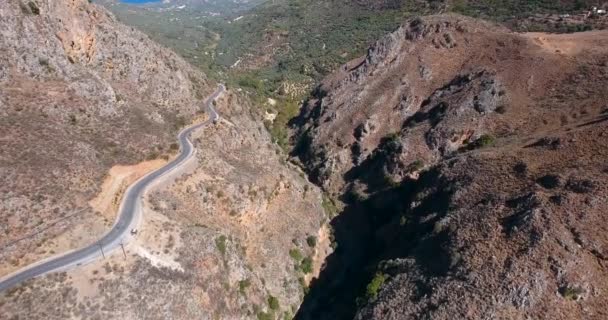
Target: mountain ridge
(463, 154)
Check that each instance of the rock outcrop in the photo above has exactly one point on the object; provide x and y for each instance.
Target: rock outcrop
(471, 163)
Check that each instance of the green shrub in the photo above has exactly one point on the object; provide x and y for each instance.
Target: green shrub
(392, 138)
(388, 181)
(302, 282)
(416, 166)
(273, 303)
(264, 316)
(249, 81)
(295, 254)
(287, 315)
(180, 122)
(484, 141)
(243, 285)
(34, 9)
(306, 265)
(220, 243)
(331, 210)
(374, 286)
(571, 293)
(287, 109)
(311, 241)
(153, 155)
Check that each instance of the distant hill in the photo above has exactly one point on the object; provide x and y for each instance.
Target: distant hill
(518, 8)
(282, 48)
(218, 6)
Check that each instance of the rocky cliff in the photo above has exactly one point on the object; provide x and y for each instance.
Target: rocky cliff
(84, 98)
(471, 162)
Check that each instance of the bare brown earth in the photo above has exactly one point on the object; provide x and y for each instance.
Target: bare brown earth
(472, 162)
(105, 205)
(87, 105)
(116, 183)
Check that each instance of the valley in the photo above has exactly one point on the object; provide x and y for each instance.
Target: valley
(282, 49)
(369, 159)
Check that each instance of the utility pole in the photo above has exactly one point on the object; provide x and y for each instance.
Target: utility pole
(101, 248)
(123, 250)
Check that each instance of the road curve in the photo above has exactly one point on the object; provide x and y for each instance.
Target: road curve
(128, 213)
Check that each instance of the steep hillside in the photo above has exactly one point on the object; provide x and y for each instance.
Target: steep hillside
(87, 106)
(79, 94)
(471, 164)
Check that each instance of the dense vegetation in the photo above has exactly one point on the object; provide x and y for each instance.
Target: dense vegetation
(508, 9)
(304, 39)
(319, 35)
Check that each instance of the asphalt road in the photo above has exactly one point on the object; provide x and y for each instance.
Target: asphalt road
(128, 215)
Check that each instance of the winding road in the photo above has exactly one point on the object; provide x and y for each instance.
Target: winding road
(128, 213)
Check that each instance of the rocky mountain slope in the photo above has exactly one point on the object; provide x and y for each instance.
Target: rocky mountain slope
(80, 93)
(82, 100)
(471, 164)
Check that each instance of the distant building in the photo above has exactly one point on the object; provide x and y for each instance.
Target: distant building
(596, 10)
